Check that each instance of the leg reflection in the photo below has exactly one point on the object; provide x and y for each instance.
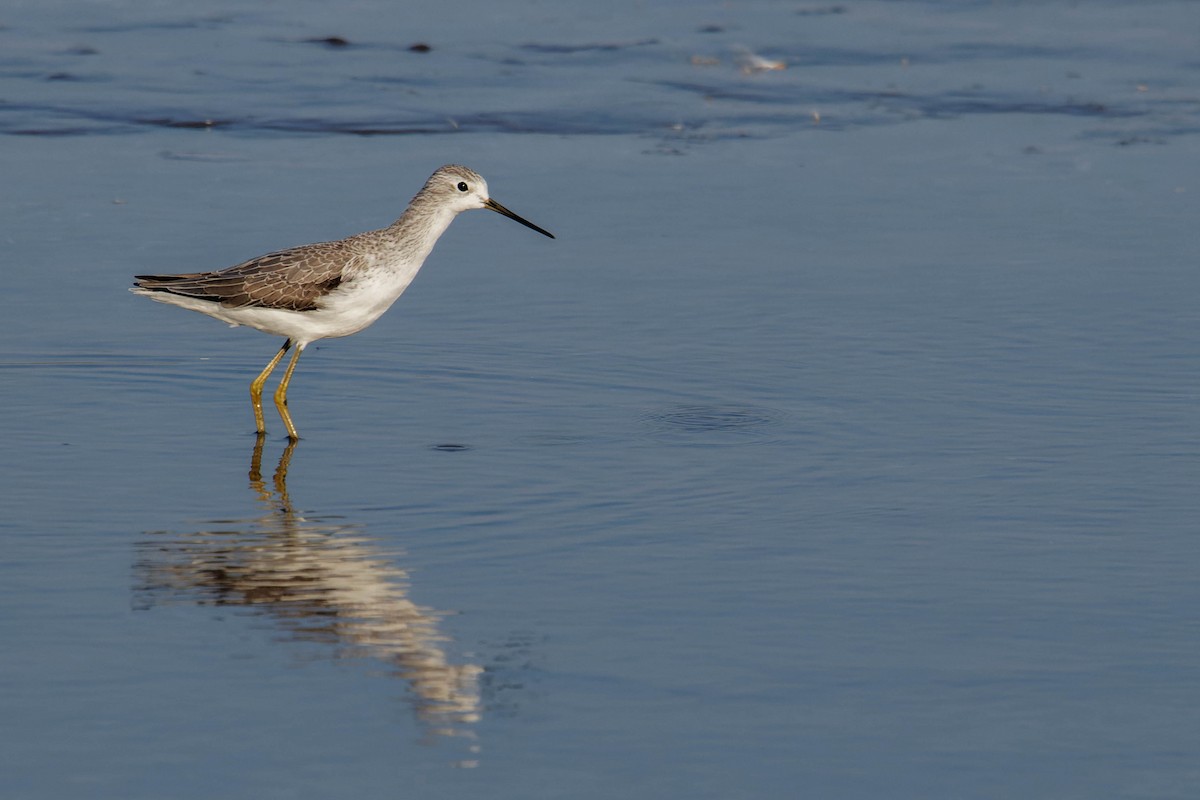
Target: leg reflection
(281, 470)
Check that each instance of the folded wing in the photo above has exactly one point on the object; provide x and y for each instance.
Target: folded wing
(293, 279)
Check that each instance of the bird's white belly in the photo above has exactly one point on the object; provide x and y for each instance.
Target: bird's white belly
(356, 304)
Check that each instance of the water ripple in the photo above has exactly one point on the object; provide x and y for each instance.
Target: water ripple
(712, 424)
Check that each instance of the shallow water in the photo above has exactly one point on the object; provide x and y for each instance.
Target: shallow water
(845, 439)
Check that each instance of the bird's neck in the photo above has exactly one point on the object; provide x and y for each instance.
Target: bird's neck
(417, 230)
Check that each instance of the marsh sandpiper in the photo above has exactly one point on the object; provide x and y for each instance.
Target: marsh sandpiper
(329, 289)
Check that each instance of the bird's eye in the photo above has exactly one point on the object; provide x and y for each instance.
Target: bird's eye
(462, 186)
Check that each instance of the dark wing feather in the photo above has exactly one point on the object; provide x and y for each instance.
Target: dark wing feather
(292, 279)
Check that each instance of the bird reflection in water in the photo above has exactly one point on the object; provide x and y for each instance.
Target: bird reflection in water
(320, 581)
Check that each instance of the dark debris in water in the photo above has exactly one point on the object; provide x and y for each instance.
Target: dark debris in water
(186, 123)
(334, 42)
(1129, 141)
(587, 48)
(450, 447)
(329, 41)
(821, 11)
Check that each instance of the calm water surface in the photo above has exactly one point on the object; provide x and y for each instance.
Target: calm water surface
(844, 443)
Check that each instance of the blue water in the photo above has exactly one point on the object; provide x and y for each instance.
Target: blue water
(843, 444)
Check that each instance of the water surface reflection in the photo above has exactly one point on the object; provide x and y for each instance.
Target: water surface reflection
(319, 580)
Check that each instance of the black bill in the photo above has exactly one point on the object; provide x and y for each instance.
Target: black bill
(494, 206)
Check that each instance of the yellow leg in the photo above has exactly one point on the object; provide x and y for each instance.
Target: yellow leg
(281, 395)
(256, 387)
